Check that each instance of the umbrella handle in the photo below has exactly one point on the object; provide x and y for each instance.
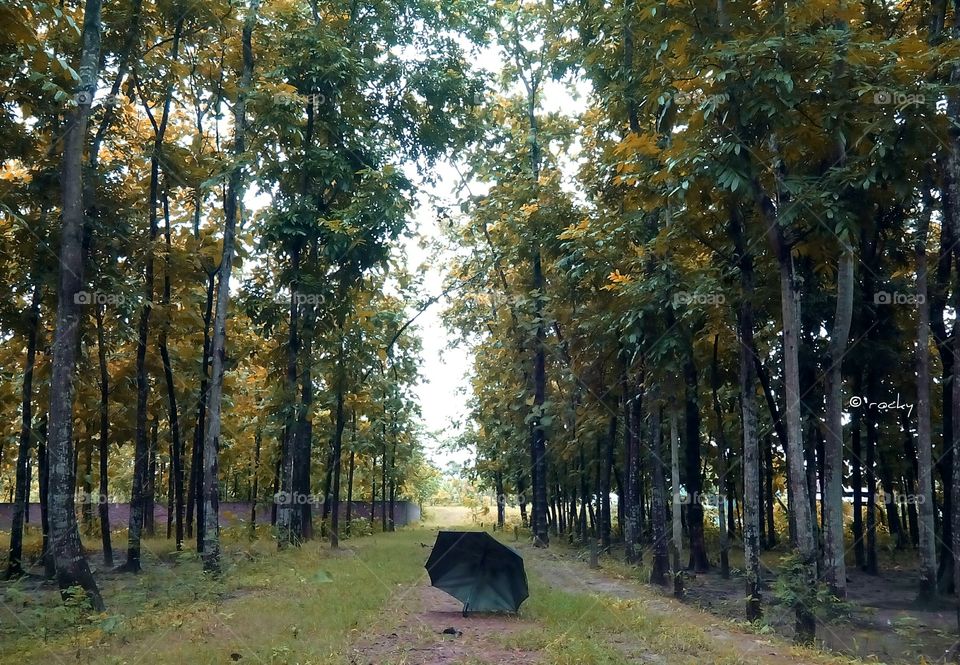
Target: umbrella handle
(465, 606)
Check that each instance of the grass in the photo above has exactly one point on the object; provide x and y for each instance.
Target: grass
(577, 628)
(308, 605)
(299, 606)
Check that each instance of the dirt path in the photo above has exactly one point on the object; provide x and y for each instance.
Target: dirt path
(411, 631)
(417, 620)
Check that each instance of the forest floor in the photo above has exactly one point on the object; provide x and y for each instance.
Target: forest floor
(883, 622)
(370, 603)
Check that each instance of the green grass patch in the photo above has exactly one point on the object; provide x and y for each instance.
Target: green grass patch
(299, 606)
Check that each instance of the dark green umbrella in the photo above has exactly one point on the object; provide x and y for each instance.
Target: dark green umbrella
(478, 570)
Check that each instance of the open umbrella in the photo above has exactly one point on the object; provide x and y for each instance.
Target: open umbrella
(478, 570)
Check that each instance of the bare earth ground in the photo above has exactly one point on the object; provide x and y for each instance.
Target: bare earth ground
(416, 637)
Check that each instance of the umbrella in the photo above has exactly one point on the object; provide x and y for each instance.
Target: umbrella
(478, 570)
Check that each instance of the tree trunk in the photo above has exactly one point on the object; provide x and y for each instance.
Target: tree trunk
(211, 439)
(255, 481)
(870, 463)
(677, 544)
(856, 477)
(150, 489)
(288, 512)
(70, 562)
(833, 545)
(43, 458)
(800, 500)
(522, 498)
(768, 479)
(339, 424)
(722, 461)
(87, 507)
(752, 492)
(658, 503)
(373, 490)
(103, 502)
(538, 443)
(304, 439)
(606, 462)
(350, 468)
(501, 499)
(632, 518)
(173, 418)
(22, 491)
(692, 458)
(927, 583)
(196, 458)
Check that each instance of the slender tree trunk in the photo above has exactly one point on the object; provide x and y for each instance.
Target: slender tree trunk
(721, 462)
(660, 564)
(350, 468)
(288, 513)
(255, 481)
(677, 544)
(21, 491)
(800, 500)
(752, 492)
(43, 459)
(927, 584)
(383, 484)
(70, 562)
(150, 489)
(538, 444)
(632, 512)
(103, 502)
(339, 423)
(522, 492)
(768, 479)
(211, 439)
(871, 468)
(195, 490)
(173, 418)
(304, 439)
(944, 463)
(373, 489)
(605, 466)
(856, 450)
(501, 499)
(833, 545)
(692, 457)
(87, 508)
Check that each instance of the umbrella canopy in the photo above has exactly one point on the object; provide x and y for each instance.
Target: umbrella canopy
(478, 570)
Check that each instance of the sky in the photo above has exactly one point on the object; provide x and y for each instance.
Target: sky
(444, 392)
(445, 367)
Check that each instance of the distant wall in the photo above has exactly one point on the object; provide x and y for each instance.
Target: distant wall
(231, 512)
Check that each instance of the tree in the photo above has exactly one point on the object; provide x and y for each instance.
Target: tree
(69, 560)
